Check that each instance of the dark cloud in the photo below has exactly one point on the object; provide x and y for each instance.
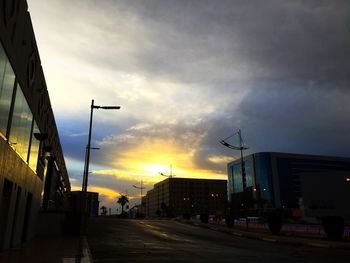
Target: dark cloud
(301, 120)
(214, 42)
(279, 70)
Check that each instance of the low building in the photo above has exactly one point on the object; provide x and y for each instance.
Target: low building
(33, 173)
(92, 203)
(307, 186)
(186, 196)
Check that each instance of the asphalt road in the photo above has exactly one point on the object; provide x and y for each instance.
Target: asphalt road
(117, 240)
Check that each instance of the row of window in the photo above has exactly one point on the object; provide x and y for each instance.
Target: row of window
(17, 124)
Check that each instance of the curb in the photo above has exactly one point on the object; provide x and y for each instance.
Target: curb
(274, 239)
(87, 257)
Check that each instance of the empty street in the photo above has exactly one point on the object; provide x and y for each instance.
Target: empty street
(117, 240)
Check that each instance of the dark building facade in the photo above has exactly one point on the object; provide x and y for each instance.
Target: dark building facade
(179, 196)
(32, 168)
(92, 203)
(308, 185)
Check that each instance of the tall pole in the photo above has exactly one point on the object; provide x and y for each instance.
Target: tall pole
(87, 158)
(244, 179)
(85, 176)
(82, 187)
(141, 190)
(140, 187)
(241, 147)
(86, 166)
(171, 175)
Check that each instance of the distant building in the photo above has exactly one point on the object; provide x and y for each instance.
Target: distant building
(180, 196)
(31, 159)
(307, 185)
(92, 208)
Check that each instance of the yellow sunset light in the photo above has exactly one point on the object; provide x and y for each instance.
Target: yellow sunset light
(154, 169)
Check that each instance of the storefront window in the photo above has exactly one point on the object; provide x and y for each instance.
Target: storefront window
(21, 125)
(7, 80)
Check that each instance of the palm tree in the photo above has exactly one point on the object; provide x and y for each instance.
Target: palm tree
(103, 210)
(123, 200)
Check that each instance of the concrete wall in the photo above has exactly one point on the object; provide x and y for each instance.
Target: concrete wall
(24, 183)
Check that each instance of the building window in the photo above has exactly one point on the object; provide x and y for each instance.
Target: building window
(34, 149)
(263, 175)
(7, 80)
(21, 125)
(237, 176)
(237, 179)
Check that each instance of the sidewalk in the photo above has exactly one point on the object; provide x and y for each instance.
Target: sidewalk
(62, 249)
(283, 238)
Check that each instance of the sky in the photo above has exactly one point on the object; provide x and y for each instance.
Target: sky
(188, 73)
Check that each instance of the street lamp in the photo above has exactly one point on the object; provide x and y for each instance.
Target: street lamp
(171, 175)
(88, 146)
(87, 160)
(241, 147)
(141, 188)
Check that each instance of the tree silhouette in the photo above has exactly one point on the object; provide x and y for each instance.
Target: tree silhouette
(123, 200)
(103, 210)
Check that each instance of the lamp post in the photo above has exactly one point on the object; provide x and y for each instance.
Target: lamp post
(87, 160)
(171, 175)
(88, 146)
(141, 188)
(241, 147)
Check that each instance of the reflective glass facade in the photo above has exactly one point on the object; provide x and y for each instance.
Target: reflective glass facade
(21, 125)
(263, 178)
(34, 149)
(17, 124)
(278, 179)
(7, 81)
(235, 182)
(258, 177)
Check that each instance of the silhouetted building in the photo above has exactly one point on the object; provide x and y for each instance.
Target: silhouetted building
(308, 185)
(186, 196)
(76, 202)
(30, 151)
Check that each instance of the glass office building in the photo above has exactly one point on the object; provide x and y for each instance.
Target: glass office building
(31, 157)
(295, 181)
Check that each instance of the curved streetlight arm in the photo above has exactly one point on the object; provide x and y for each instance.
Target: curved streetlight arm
(140, 187)
(106, 107)
(171, 175)
(232, 146)
(168, 175)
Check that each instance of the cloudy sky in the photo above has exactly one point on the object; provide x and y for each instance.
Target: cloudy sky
(188, 73)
